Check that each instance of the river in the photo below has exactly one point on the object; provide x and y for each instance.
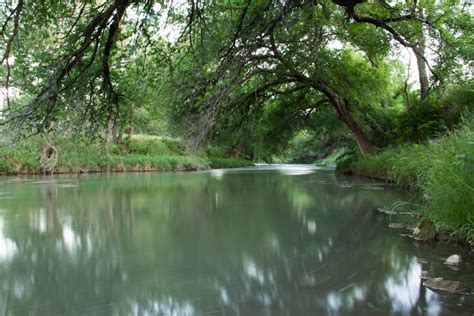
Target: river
(266, 240)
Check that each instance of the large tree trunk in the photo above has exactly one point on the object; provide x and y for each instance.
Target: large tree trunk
(110, 131)
(422, 72)
(118, 137)
(362, 140)
(112, 134)
(345, 116)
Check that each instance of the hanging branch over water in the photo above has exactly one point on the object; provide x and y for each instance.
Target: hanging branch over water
(87, 58)
(46, 99)
(15, 14)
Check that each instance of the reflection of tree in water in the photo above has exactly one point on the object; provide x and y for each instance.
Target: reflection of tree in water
(193, 243)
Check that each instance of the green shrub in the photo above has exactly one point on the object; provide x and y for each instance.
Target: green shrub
(215, 151)
(229, 163)
(420, 120)
(6, 166)
(148, 147)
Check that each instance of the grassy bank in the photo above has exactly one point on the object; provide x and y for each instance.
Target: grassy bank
(332, 158)
(442, 171)
(216, 163)
(142, 153)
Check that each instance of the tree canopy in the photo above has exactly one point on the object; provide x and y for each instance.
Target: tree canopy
(235, 72)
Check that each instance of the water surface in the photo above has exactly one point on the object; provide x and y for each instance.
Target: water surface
(268, 240)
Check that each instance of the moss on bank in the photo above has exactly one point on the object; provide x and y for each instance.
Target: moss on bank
(80, 156)
(441, 170)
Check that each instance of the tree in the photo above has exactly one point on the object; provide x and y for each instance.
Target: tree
(271, 59)
(67, 62)
(289, 45)
(409, 23)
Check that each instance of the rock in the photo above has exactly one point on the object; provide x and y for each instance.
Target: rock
(439, 284)
(425, 275)
(374, 188)
(396, 225)
(389, 212)
(422, 261)
(453, 260)
(425, 231)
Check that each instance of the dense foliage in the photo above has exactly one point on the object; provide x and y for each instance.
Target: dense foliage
(233, 73)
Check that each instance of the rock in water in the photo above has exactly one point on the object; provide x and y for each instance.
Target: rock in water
(425, 275)
(425, 231)
(422, 261)
(383, 211)
(440, 284)
(453, 260)
(396, 225)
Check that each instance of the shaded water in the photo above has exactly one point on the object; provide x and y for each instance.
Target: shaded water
(287, 240)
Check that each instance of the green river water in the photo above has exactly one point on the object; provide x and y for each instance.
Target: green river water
(267, 240)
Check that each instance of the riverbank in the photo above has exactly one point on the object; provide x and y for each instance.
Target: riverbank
(441, 172)
(65, 155)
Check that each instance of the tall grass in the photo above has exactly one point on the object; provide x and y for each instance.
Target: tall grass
(81, 155)
(158, 163)
(22, 158)
(155, 146)
(442, 171)
(449, 181)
